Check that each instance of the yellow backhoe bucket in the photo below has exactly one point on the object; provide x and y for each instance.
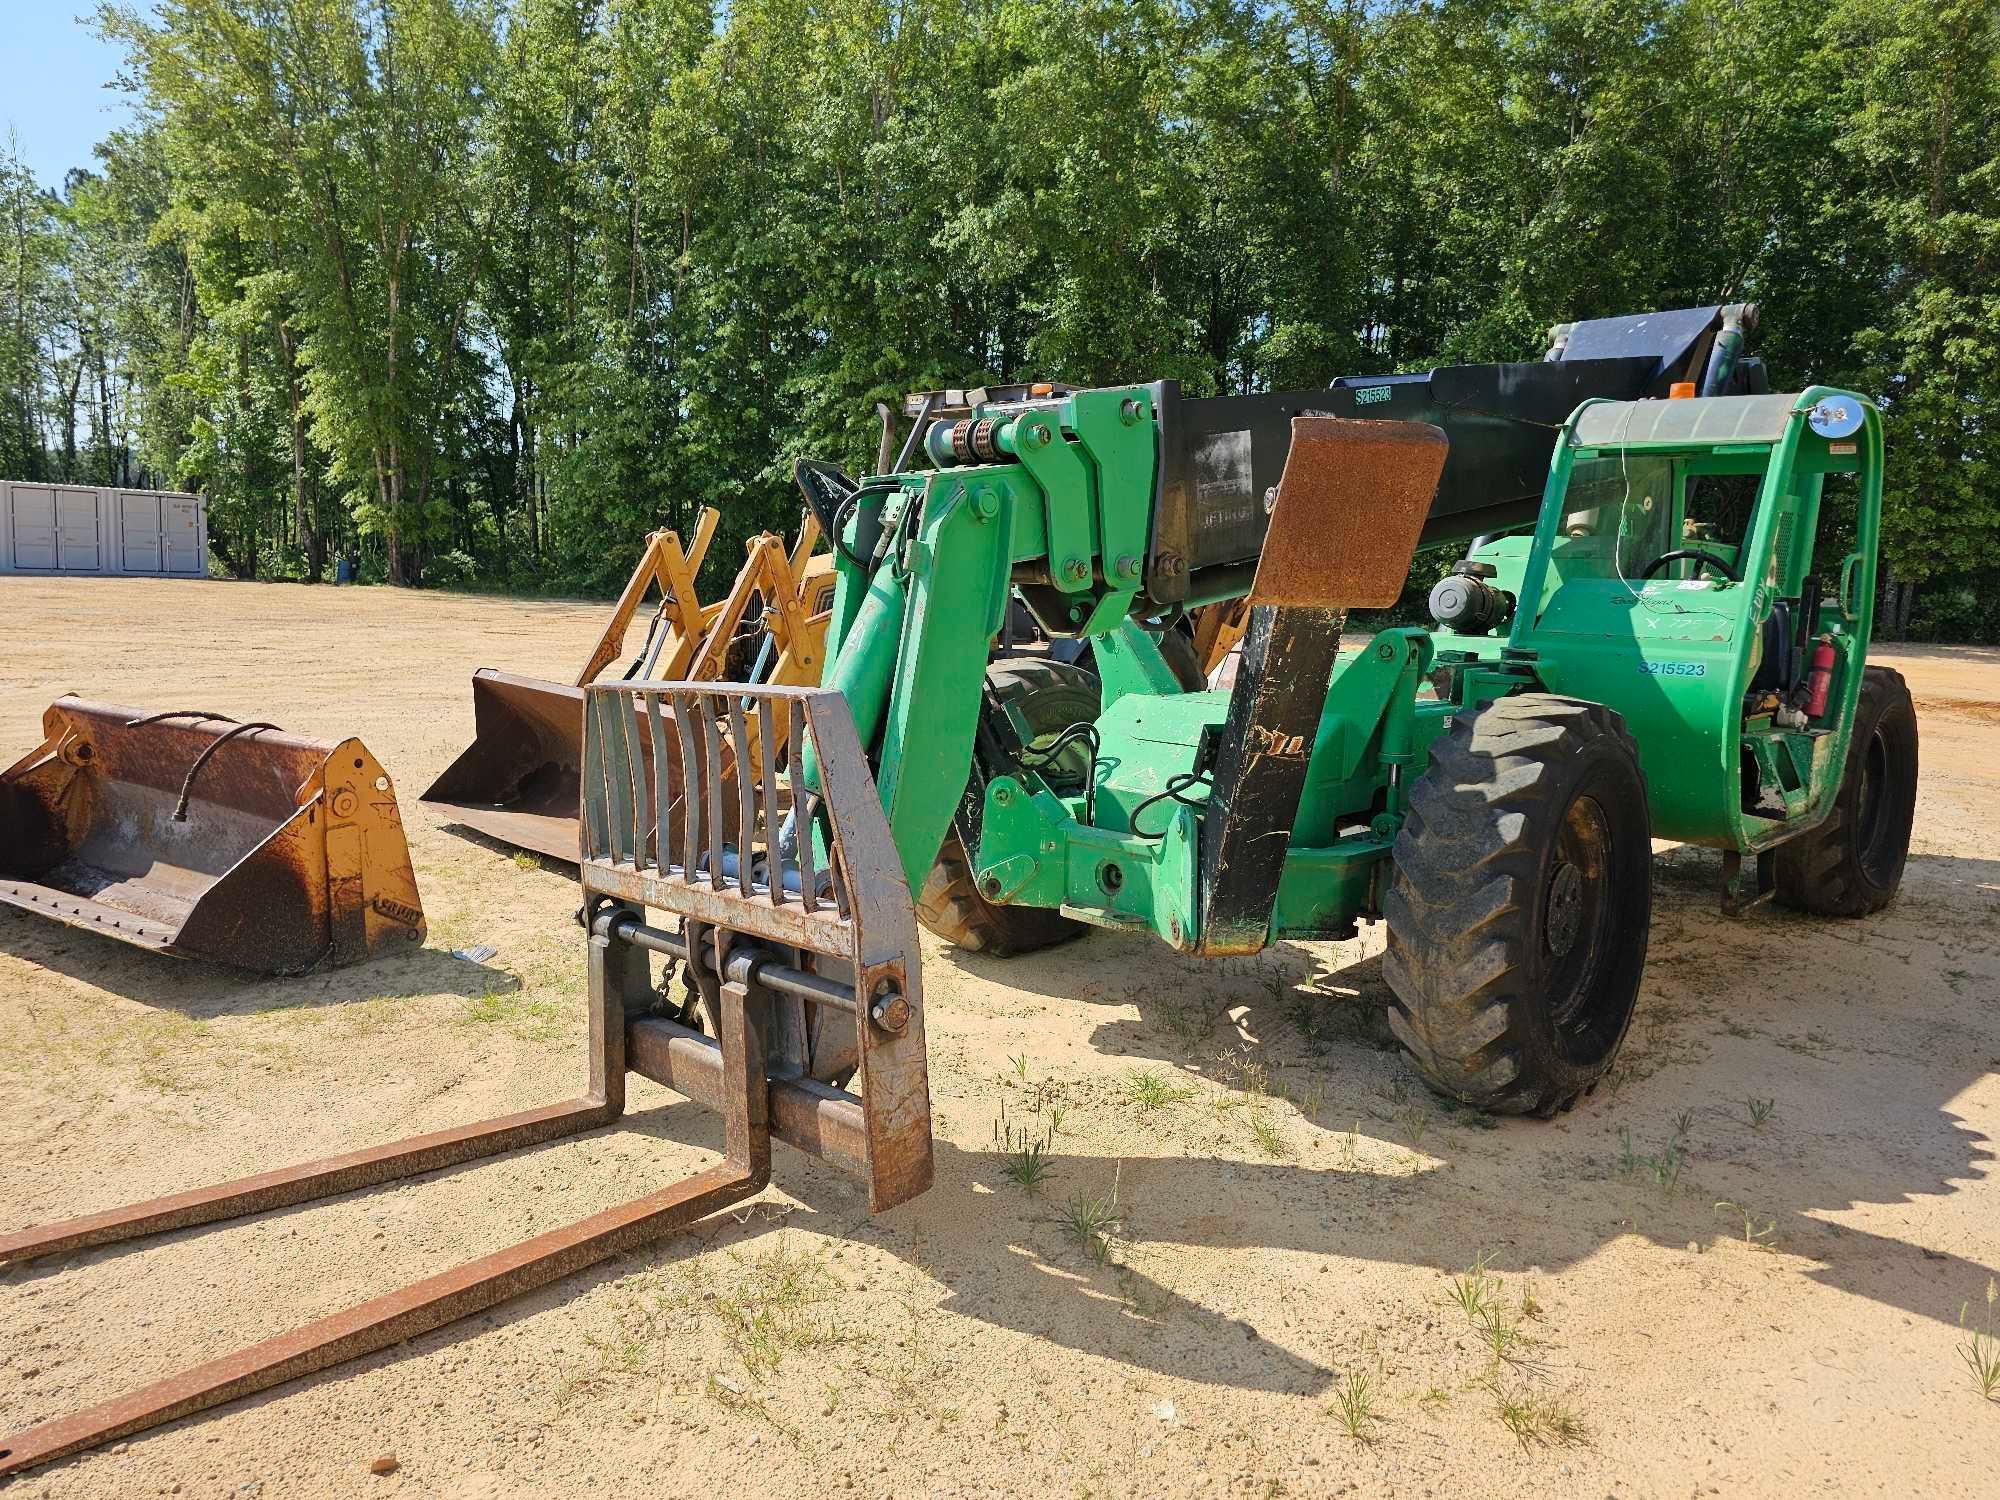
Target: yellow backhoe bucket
(193, 834)
(518, 780)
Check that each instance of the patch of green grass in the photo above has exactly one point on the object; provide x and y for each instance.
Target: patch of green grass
(766, 1312)
(1151, 1090)
(1668, 1164)
(1482, 1298)
(1315, 1095)
(1548, 1420)
(1981, 1349)
(1190, 1022)
(1265, 1130)
(1760, 1111)
(1476, 1293)
(1095, 1219)
(523, 860)
(766, 1306)
(1237, 1069)
(1501, 1335)
(1664, 1167)
(1024, 1158)
(527, 1016)
(367, 1017)
(156, 1049)
(623, 1356)
(1354, 1405)
(1628, 1158)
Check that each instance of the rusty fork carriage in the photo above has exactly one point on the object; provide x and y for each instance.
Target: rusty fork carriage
(791, 917)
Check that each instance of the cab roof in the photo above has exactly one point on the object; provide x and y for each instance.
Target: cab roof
(1688, 423)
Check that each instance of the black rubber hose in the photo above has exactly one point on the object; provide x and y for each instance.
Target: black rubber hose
(815, 502)
(1176, 785)
(187, 786)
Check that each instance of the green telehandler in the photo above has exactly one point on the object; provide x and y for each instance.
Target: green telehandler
(1643, 639)
(1646, 636)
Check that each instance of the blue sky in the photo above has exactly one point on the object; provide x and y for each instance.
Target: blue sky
(54, 96)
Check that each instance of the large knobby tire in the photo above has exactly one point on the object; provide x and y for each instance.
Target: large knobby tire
(1051, 696)
(1177, 650)
(1852, 863)
(1520, 904)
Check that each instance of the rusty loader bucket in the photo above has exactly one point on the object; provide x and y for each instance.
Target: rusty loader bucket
(517, 781)
(804, 950)
(193, 834)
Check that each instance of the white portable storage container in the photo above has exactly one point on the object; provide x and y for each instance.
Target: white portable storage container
(69, 528)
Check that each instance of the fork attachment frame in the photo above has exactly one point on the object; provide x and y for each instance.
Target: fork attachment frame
(807, 961)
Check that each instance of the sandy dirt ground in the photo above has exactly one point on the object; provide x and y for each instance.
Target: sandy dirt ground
(1295, 1224)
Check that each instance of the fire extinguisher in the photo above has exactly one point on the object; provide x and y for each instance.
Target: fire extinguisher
(1820, 681)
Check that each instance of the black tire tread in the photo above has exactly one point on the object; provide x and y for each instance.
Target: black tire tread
(1458, 903)
(950, 904)
(1817, 872)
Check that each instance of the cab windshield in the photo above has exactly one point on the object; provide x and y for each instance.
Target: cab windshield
(1628, 512)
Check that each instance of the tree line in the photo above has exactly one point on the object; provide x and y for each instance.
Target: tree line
(476, 292)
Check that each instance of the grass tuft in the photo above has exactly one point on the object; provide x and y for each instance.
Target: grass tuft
(1664, 1167)
(1151, 1090)
(1548, 1420)
(1350, 1147)
(1415, 1120)
(527, 1017)
(1756, 1238)
(1265, 1130)
(1095, 1219)
(1476, 1294)
(1354, 1404)
(1981, 1349)
(1025, 1158)
(765, 1314)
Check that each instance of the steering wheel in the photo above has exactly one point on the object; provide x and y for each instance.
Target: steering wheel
(1694, 555)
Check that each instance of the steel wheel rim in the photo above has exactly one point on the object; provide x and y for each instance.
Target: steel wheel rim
(1871, 807)
(1576, 910)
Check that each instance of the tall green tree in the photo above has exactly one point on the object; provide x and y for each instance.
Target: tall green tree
(480, 291)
